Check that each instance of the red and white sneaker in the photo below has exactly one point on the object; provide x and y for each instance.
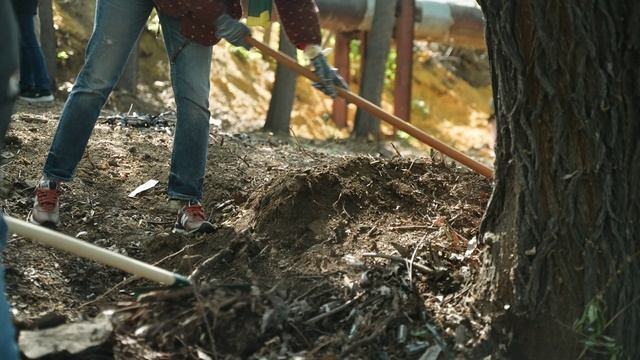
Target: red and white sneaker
(191, 220)
(46, 205)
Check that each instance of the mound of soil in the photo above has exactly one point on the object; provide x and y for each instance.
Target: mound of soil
(301, 209)
(319, 253)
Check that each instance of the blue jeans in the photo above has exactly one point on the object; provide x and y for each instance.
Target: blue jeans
(33, 69)
(8, 349)
(117, 25)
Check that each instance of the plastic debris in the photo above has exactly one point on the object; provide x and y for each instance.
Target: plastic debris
(144, 187)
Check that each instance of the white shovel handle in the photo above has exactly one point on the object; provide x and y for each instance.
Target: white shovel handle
(96, 253)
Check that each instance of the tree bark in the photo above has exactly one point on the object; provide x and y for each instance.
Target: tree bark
(564, 217)
(48, 38)
(283, 93)
(373, 73)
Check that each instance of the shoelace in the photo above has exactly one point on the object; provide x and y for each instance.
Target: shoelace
(47, 198)
(195, 210)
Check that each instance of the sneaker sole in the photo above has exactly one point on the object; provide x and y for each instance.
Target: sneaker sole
(200, 230)
(42, 99)
(48, 224)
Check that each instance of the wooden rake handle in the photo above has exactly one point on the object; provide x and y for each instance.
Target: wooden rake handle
(376, 111)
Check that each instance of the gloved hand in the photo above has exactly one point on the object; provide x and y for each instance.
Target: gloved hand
(232, 30)
(329, 77)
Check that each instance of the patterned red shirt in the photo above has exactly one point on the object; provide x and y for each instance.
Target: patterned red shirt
(299, 17)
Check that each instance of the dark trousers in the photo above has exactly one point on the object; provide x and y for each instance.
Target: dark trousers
(33, 69)
(8, 67)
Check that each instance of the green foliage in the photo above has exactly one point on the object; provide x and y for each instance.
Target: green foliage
(390, 68)
(243, 54)
(421, 106)
(591, 327)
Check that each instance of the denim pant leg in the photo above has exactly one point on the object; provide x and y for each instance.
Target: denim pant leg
(8, 349)
(190, 68)
(117, 25)
(33, 69)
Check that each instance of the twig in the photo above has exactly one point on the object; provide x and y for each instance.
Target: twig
(301, 334)
(356, 344)
(374, 228)
(300, 147)
(412, 227)
(635, 300)
(309, 291)
(198, 297)
(396, 149)
(208, 262)
(244, 159)
(413, 257)
(165, 294)
(112, 289)
(177, 252)
(424, 269)
(132, 278)
(334, 311)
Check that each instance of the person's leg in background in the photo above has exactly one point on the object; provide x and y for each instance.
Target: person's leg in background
(190, 70)
(118, 23)
(34, 79)
(8, 91)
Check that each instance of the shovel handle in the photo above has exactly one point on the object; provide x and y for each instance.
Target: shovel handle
(89, 251)
(377, 111)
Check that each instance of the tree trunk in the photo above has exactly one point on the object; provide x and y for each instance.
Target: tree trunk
(48, 38)
(564, 218)
(283, 93)
(373, 73)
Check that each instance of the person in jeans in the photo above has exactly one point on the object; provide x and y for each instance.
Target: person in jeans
(190, 28)
(8, 91)
(35, 85)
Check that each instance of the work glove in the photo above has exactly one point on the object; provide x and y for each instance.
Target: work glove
(329, 77)
(232, 30)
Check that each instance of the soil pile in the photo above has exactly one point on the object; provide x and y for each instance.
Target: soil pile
(312, 256)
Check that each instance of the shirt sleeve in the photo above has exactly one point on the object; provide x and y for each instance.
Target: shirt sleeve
(300, 21)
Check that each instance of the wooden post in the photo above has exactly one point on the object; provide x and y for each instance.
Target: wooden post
(363, 51)
(283, 93)
(343, 64)
(48, 38)
(373, 73)
(405, 30)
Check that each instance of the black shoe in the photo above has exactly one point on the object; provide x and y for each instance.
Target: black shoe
(36, 96)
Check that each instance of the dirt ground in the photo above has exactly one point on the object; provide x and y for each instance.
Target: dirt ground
(310, 261)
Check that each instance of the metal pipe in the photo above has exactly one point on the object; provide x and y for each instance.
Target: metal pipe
(346, 16)
(437, 21)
